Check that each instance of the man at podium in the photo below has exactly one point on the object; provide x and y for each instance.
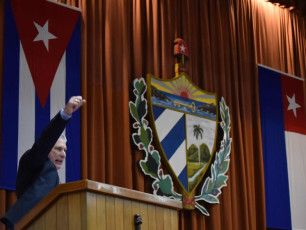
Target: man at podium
(37, 171)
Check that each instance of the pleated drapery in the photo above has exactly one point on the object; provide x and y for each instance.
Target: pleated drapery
(126, 39)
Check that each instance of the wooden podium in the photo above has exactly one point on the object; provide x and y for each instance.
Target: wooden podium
(89, 205)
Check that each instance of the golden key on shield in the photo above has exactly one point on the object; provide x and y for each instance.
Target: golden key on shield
(179, 104)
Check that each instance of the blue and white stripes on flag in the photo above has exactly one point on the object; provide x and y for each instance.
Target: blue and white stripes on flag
(25, 110)
(283, 127)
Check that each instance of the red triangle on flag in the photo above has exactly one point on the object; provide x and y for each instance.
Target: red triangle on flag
(293, 105)
(44, 28)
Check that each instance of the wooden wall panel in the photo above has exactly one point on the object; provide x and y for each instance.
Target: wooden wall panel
(143, 211)
(51, 218)
(74, 212)
(127, 206)
(174, 219)
(40, 223)
(91, 210)
(167, 219)
(101, 212)
(62, 213)
(152, 220)
(31, 227)
(159, 217)
(83, 210)
(110, 212)
(119, 214)
(135, 209)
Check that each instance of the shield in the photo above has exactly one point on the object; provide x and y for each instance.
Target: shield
(184, 120)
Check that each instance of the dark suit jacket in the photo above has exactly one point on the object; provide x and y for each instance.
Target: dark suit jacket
(37, 175)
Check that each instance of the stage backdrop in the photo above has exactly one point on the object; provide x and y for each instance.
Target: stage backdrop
(126, 39)
(41, 72)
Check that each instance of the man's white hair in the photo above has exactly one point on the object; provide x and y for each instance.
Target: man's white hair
(63, 136)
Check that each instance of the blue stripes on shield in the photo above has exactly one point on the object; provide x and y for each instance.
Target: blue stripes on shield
(171, 130)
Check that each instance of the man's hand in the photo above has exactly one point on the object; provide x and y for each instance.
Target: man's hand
(74, 104)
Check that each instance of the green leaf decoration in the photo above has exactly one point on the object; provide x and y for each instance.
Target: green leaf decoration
(221, 181)
(211, 188)
(142, 109)
(210, 185)
(223, 167)
(136, 139)
(134, 111)
(149, 135)
(146, 169)
(145, 136)
(201, 209)
(153, 165)
(165, 186)
(155, 156)
(151, 162)
(210, 198)
(215, 192)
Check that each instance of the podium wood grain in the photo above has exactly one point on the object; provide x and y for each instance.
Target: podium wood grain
(89, 205)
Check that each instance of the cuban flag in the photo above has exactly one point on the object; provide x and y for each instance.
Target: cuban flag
(283, 127)
(41, 72)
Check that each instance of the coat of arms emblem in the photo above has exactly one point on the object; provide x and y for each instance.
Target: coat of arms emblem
(184, 122)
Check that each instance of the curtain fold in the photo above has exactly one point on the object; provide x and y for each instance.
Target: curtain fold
(126, 39)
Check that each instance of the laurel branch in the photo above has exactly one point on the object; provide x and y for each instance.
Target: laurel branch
(151, 162)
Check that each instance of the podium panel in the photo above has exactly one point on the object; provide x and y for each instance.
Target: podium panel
(89, 205)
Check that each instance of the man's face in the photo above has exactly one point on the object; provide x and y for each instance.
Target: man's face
(58, 153)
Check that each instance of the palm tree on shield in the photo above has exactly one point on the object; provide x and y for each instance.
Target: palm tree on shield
(198, 131)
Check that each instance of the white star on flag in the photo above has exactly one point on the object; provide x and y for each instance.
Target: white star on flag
(182, 47)
(43, 34)
(292, 104)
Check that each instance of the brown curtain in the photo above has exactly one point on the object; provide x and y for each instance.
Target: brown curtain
(126, 39)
